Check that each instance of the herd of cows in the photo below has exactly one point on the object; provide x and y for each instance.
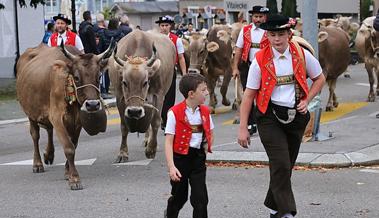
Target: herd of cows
(58, 87)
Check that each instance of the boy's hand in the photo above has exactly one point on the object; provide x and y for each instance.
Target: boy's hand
(244, 137)
(174, 174)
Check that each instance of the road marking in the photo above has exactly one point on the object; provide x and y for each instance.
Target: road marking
(21, 120)
(369, 171)
(87, 162)
(364, 84)
(135, 163)
(341, 110)
(19, 163)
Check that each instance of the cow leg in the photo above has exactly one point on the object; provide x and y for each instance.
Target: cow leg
(370, 71)
(37, 162)
(212, 97)
(48, 155)
(152, 144)
(123, 155)
(224, 87)
(74, 139)
(329, 105)
(69, 151)
(377, 82)
(334, 85)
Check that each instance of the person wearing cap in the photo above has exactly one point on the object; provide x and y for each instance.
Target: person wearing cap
(277, 80)
(248, 43)
(62, 33)
(165, 24)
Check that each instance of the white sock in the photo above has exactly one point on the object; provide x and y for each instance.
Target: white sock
(273, 212)
(287, 215)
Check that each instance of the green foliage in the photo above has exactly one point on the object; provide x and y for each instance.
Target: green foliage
(33, 3)
(365, 9)
(107, 13)
(273, 6)
(289, 8)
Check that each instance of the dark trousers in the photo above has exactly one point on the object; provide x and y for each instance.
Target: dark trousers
(105, 82)
(282, 144)
(244, 71)
(193, 170)
(169, 100)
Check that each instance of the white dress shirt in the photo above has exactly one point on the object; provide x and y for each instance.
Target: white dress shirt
(283, 95)
(194, 118)
(256, 37)
(78, 41)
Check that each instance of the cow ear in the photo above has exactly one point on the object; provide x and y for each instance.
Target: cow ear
(212, 47)
(61, 66)
(154, 67)
(322, 36)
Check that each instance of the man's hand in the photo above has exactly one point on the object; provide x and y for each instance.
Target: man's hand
(236, 73)
(244, 138)
(174, 174)
(302, 107)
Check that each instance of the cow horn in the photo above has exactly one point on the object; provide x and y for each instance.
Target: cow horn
(153, 57)
(66, 52)
(117, 59)
(107, 53)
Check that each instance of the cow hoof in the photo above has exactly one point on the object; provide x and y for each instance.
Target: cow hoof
(121, 159)
(212, 110)
(225, 102)
(48, 158)
(75, 185)
(371, 98)
(377, 92)
(150, 154)
(335, 104)
(329, 108)
(38, 169)
(346, 75)
(234, 106)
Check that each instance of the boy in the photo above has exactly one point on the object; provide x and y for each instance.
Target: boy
(189, 128)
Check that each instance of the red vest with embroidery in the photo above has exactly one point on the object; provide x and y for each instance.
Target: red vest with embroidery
(69, 41)
(174, 39)
(247, 41)
(266, 64)
(183, 131)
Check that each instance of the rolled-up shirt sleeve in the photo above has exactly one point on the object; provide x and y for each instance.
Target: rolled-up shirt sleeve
(312, 65)
(254, 76)
(180, 46)
(171, 123)
(239, 42)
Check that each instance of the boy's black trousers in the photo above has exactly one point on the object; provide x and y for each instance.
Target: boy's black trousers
(193, 170)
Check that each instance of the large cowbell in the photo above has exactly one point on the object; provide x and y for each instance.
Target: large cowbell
(142, 125)
(94, 122)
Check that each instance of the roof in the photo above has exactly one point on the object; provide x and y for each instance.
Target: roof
(147, 7)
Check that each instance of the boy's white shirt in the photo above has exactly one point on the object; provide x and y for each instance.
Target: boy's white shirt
(194, 118)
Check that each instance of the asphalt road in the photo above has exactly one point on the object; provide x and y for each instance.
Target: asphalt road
(141, 188)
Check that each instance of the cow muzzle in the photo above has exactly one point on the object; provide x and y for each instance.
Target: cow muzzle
(135, 112)
(91, 105)
(193, 70)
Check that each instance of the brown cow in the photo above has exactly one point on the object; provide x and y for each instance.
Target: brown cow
(367, 45)
(334, 57)
(141, 72)
(42, 77)
(212, 56)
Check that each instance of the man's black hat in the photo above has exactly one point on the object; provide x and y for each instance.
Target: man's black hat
(62, 17)
(165, 19)
(276, 22)
(259, 9)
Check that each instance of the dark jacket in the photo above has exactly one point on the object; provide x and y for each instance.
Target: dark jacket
(125, 29)
(87, 35)
(376, 22)
(108, 34)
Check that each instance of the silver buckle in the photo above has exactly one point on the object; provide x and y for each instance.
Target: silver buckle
(291, 116)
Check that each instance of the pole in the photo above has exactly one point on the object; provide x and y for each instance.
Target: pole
(73, 15)
(16, 30)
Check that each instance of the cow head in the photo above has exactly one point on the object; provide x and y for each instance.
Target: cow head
(86, 71)
(198, 52)
(136, 73)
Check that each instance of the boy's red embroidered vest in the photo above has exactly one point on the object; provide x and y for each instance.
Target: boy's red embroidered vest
(183, 131)
(247, 41)
(265, 61)
(174, 39)
(71, 37)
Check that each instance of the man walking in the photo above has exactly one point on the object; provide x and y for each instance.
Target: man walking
(87, 34)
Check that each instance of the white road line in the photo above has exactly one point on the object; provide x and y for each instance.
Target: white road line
(339, 120)
(373, 114)
(364, 84)
(21, 120)
(19, 163)
(87, 162)
(232, 143)
(369, 171)
(135, 163)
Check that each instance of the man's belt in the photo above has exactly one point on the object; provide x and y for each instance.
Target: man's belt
(255, 45)
(197, 128)
(285, 80)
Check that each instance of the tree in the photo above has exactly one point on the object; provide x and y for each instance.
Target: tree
(33, 3)
(289, 8)
(273, 6)
(365, 9)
